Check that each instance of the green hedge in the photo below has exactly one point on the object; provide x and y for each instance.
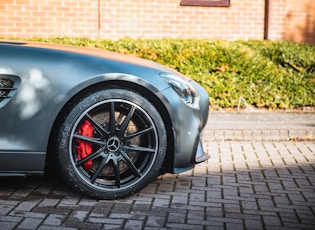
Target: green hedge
(273, 75)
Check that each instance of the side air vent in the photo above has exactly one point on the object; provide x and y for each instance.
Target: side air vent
(8, 87)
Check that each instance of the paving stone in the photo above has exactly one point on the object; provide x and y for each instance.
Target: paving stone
(70, 200)
(26, 206)
(112, 227)
(179, 199)
(121, 208)
(133, 224)
(177, 218)
(247, 184)
(232, 208)
(253, 224)
(30, 223)
(127, 216)
(5, 209)
(78, 215)
(154, 228)
(49, 202)
(196, 214)
(214, 227)
(22, 193)
(273, 221)
(288, 216)
(234, 226)
(7, 225)
(214, 212)
(106, 221)
(141, 207)
(54, 220)
(45, 227)
(28, 214)
(15, 219)
(184, 226)
(70, 222)
(52, 210)
(155, 221)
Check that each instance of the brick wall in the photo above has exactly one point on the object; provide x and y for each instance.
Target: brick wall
(300, 21)
(113, 19)
(166, 18)
(43, 18)
(292, 20)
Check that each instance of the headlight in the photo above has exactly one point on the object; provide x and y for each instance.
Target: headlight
(183, 88)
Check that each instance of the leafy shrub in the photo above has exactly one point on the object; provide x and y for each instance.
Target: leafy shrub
(273, 75)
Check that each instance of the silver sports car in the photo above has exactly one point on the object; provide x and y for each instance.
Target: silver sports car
(107, 122)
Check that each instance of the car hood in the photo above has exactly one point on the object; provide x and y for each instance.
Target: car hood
(92, 52)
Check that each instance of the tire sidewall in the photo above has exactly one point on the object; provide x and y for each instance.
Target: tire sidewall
(64, 159)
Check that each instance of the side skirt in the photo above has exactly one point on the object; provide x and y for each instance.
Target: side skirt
(22, 163)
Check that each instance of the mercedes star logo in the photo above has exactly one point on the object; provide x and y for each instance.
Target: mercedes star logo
(113, 144)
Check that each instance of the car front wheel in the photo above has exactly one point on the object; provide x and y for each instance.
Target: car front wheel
(111, 144)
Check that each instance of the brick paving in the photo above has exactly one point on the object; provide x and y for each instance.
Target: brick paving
(249, 184)
(245, 185)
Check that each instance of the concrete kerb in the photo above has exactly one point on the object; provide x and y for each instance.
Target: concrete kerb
(260, 126)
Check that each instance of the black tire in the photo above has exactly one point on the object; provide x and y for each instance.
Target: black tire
(111, 144)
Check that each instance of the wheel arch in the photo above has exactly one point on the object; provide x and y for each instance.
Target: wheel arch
(168, 165)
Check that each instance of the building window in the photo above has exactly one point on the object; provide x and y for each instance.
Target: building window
(205, 2)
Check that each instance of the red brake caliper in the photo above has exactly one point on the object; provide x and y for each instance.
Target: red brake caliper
(84, 148)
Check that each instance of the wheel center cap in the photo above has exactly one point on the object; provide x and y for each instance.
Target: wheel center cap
(113, 144)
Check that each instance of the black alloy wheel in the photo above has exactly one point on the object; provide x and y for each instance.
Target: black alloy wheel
(112, 144)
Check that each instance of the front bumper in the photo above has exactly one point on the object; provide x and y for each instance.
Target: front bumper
(187, 125)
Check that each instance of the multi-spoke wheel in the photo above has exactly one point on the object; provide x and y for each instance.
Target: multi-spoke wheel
(111, 144)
